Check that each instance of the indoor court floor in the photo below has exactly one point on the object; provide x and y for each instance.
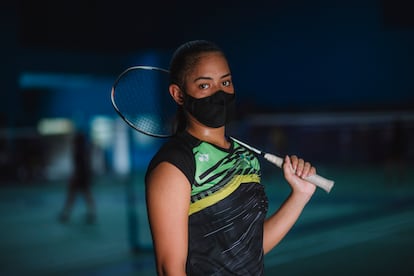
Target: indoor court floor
(364, 226)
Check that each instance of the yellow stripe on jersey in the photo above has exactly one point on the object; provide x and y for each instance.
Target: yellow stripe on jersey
(223, 193)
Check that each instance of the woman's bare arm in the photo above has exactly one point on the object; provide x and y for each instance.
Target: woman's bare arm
(279, 224)
(168, 200)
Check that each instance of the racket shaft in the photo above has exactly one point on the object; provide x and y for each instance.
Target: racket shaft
(315, 179)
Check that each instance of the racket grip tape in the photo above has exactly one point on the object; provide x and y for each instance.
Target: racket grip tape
(315, 179)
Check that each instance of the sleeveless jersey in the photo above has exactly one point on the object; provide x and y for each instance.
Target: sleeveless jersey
(228, 205)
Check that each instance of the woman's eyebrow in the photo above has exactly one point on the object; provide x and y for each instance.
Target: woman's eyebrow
(225, 75)
(202, 78)
(209, 78)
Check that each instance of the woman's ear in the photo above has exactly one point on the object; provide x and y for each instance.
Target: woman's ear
(176, 94)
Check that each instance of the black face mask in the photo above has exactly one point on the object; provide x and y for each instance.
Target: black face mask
(213, 111)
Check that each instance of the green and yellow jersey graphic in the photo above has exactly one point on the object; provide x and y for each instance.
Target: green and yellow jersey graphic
(218, 173)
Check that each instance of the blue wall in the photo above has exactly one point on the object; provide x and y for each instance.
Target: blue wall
(285, 55)
(327, 56)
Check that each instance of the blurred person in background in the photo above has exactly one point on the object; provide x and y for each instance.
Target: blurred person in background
(81, 180)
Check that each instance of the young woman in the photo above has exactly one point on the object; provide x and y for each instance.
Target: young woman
(206, 207)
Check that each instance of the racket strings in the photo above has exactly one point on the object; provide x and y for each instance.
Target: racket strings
(141, 97)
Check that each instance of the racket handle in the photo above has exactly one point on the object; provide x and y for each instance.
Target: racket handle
(315, 179)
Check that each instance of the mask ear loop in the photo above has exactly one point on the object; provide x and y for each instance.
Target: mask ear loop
(186, 98)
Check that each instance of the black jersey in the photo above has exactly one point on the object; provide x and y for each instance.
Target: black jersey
(228, 205)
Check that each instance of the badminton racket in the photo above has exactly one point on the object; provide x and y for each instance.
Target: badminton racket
(141, 98)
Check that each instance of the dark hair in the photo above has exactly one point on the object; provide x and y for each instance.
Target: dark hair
(183, 60)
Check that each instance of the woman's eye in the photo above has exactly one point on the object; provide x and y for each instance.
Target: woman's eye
(204, 86)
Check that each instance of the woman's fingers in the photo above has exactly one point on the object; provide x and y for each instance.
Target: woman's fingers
(301, 168)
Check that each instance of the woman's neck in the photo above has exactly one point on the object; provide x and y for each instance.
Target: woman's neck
(215, 136)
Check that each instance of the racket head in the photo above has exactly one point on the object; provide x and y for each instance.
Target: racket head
(141, 97)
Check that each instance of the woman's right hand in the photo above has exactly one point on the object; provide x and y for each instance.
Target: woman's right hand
(295, 170)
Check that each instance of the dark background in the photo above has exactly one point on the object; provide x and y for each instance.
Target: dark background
(331, 81)
(285, 55)
(60, 58)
